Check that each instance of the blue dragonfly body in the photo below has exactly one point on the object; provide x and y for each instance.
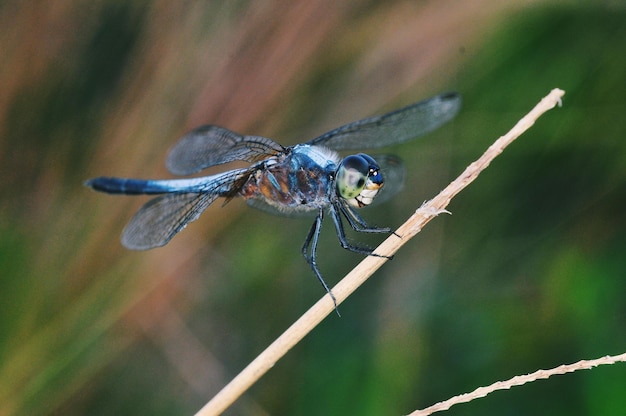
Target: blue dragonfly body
(309, 178)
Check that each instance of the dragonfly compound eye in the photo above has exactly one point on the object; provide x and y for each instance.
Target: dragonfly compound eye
(374, 177)
(358, 180)
(351, 176)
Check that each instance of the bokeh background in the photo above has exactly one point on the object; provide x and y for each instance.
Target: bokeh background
(529, 272)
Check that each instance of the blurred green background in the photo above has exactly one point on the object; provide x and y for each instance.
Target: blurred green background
(529, 272)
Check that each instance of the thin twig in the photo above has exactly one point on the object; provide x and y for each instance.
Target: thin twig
(518, 381)
(369, 265)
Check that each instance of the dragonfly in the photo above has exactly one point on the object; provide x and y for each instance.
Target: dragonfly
(303, 179)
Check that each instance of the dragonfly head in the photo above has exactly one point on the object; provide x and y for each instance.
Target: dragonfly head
(358, 180)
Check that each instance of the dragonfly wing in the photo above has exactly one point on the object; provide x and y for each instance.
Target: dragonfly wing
(162, 218)
(393, 174)
(395, 127)
(295, 212)
(212, 145)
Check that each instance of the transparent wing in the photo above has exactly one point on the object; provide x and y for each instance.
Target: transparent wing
(396, 127)
(212, 145)
(163, 217)
(393, 174)
(298, 212)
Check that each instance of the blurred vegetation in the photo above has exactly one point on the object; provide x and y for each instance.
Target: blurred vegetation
(528, 272)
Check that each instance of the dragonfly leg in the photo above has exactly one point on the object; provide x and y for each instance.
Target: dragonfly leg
(358, 223)
(309, 251)
(341, 234)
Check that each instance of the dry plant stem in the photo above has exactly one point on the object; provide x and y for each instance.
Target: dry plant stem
(369, 265)
(518, 381)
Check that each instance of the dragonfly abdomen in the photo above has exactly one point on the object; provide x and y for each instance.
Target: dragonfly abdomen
(128, 186)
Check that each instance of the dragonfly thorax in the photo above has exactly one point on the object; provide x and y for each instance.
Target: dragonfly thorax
(358, 180)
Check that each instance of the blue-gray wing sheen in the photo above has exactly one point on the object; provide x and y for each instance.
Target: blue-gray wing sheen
(396, 127)
(212, 145)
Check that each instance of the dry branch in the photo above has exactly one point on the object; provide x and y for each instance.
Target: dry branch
(518, 381)
(369, 265)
